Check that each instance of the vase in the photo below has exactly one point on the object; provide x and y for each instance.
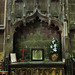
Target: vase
(54, 57)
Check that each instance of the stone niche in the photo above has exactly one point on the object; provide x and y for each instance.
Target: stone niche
(34, 36)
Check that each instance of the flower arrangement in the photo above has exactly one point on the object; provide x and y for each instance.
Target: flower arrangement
(54, 46)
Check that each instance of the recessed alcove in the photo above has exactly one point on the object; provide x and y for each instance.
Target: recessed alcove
(35, 35)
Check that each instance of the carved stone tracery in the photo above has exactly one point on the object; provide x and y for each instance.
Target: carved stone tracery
(37, 71)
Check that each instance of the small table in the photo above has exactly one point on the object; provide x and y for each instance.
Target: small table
(4, 72)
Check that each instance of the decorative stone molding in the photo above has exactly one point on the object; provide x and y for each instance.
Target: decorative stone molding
(39, 71)
(57, 24)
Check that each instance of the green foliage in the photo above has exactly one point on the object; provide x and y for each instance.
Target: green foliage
(54, 46)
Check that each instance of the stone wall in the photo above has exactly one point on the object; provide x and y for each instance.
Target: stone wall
(2, 5)
(1, 44)
(21, 9)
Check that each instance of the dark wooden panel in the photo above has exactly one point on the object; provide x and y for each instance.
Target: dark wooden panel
(72, 38)
(18, 0)
(73, 68)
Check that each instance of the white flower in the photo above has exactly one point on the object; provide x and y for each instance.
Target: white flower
(51, 46)
(55, 49)
(55, 45)
(53, 40)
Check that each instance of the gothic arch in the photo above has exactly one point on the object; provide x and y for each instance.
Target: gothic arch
(53, 24)
(57, 24)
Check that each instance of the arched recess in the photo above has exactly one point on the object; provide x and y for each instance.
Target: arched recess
(37, 33)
